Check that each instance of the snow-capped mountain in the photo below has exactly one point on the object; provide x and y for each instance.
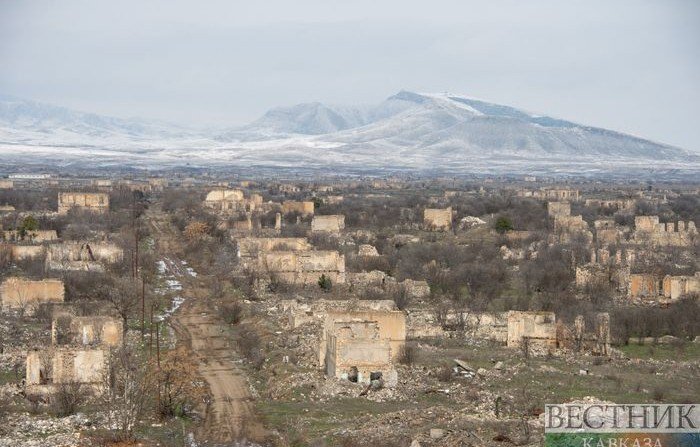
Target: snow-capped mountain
(22, 116)
(406, 132)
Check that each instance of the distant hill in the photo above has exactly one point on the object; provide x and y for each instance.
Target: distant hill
(406, 132)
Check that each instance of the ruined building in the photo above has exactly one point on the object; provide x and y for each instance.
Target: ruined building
(437, 219)
(67, 329)
(47, 369)
(87, 256)
(87, 201)
(558, 209)
(648, 230)
(644, 286)
(232, 200)
(32, 236)
(303, 208)
(362, 345)
(26, 295)
(675, 287)
(251, 247)
(328, 224)
(557, 194)
(537, 329)
(303, 267)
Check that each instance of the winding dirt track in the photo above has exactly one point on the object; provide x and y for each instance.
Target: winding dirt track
(229, 414)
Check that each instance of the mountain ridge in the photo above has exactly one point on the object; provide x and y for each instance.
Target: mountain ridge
(406, 131)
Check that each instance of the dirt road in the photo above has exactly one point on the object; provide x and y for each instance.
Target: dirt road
(229, 416)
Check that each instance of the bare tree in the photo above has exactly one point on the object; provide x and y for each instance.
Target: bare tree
(125, 297)
(128, 387)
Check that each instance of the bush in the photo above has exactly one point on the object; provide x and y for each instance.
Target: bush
(68, 398)
(232, 312)
(325, 283)
(503, 224)
(250, 346)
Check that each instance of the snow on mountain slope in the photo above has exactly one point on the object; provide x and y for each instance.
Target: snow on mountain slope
(17, 115)
(407, 131)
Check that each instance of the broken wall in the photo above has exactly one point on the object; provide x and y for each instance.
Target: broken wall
(96, 201)
(437, 218)
(328, 223)
(27, 295)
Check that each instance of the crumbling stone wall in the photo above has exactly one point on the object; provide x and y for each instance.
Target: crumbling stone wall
(551, 194)
(22, 252)
(365, 341)
(648, 230)
(89, 201)
(559, 209)
(675, 287)
(606, 232)
(538, 329)
(328, 223)
(67, 329)
(304, 208)
(252, 246)
(643, 285)
(47, 368)
(437, 219)
(230, 200)
(303, 267)
(620, 204)
(35, 237)
(26, 295)
(85, 251)
(424, 323)
(315, 311)
(355, 351)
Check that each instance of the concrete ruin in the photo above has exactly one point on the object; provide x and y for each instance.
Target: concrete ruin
(303, 208)
(437, 219)
(86, 201)
(644, 286)
(24, 252)
(618, 204)
(675, 287)
(85, 251)
(303, 267)
(648, 230)
(251, 247)
(67, 329)
(536, 329)
(232, 200)
(49, 368)
(558, 209)
(557, 194)
(568, 227)
(34, 236)
(329, 223)
(27, 295)
(362, 345)
(606, 232)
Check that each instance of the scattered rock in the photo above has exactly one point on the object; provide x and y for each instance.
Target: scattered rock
(436, 433)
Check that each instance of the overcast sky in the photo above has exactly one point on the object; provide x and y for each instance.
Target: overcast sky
(632, 66)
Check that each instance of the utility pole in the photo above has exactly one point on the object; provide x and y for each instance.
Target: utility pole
(143, 308)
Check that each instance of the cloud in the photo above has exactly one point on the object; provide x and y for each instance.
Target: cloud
(626, 65)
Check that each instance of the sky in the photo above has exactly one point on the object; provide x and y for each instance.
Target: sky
(632, 66)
